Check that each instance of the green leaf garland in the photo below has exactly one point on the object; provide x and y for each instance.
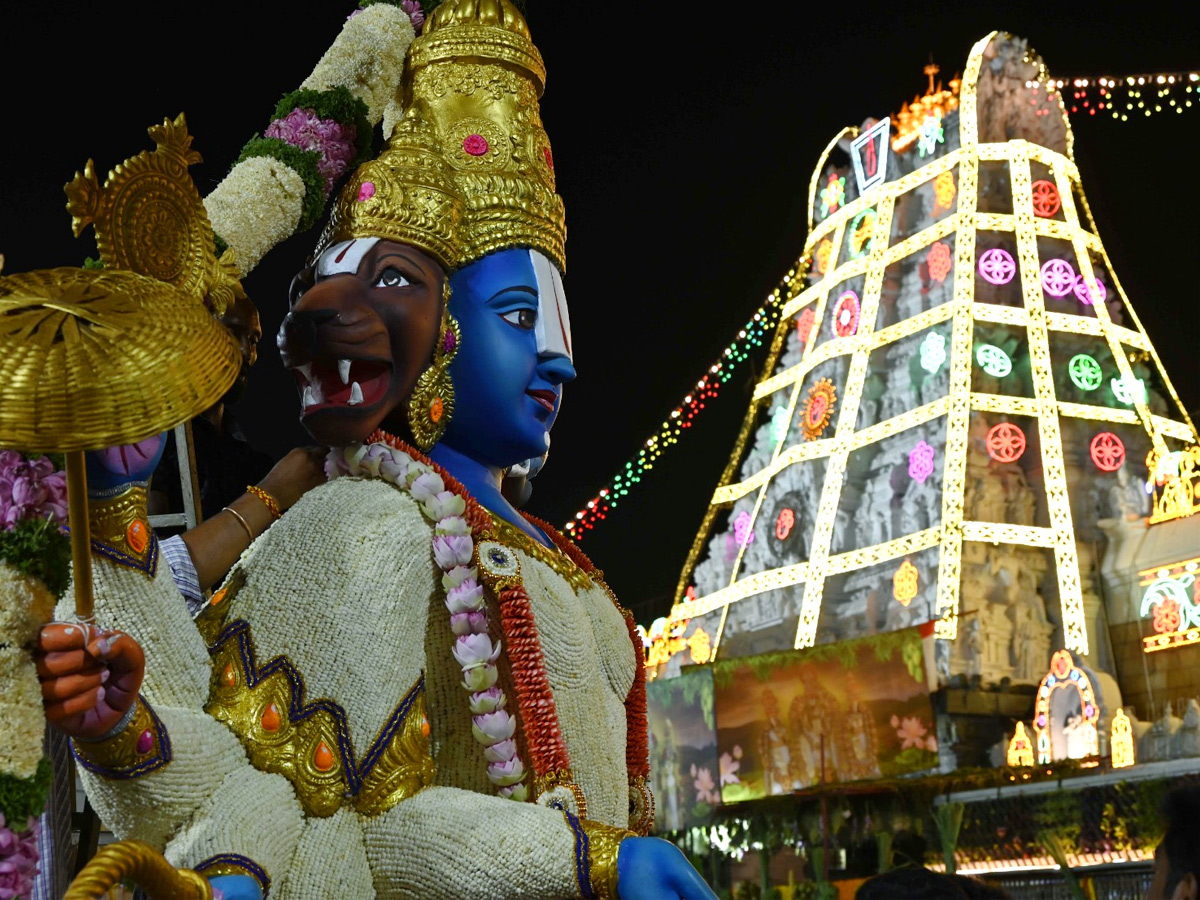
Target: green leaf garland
(22, 799)
(37, 547)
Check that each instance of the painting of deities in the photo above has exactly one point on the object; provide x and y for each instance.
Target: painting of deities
(683, 749)
(848, 711)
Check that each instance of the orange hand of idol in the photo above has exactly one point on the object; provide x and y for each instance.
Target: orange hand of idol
(90, 677)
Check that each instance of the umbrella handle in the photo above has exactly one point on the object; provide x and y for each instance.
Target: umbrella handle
(81, 538)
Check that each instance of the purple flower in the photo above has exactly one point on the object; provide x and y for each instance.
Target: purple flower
(491, 728)
(468, 623)
(467, 597)
(416, 15)
(330, 139)
(31, 489)
(487, 701)
(480, 678)
(450, 550)
(473, 650)
(508, 772)
(501, 752)
(18, 860)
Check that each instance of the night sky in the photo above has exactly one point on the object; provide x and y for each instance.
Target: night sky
(684, 140)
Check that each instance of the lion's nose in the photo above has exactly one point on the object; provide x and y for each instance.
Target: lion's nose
(298, 332)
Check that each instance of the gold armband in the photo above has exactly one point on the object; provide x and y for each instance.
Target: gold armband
(600, 846)
(120, 528)
(137, 746)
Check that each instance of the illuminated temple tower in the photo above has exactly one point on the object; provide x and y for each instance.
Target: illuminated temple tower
(960, 404)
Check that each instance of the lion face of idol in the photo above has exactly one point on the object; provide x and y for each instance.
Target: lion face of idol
(361, 328)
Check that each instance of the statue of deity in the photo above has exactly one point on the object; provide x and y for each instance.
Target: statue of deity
(405, 687)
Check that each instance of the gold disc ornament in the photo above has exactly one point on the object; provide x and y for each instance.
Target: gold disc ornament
(95, 358)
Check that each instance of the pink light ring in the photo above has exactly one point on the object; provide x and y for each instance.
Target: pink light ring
(997, 266)
(1097, 294)
(845, 315)
(1057, 277)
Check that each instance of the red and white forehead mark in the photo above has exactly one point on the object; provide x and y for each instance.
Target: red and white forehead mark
(344, 256)
(553, 323)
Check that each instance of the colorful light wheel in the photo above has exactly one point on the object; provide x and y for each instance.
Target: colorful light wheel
(1046, 201)
(1097, 293)
(920, 462)
(943, 191)
(1108, 453)
(804, 324)
(818, 409)
(862, 233)
(993, 360)
(824, 253)
(784, 523)
(1005, 442)
(997, 266)
(845, 314)
(933, 352)
(939, 262)
(1085, 372)
(1058, 277)
(905, 583)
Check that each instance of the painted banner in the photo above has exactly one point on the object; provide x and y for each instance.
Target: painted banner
(849, 711)
(683, 749)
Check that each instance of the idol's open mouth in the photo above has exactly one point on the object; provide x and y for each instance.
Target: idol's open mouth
(544, 397)
(342, 383)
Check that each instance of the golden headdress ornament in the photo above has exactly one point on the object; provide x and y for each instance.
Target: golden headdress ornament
(470, 90)
(149, 219)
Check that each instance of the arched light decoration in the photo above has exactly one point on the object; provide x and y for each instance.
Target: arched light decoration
(1005, 442)
(1120, 741)
(1057, 277)
(933, 351)
(818, 409)
(920, 462)
(1169, 602)
(904, 583)
(845, 314)
(1064, 674)
(993, 360)
(1108, 453)
(997, 266)
(1020, 748)
(1085, 372)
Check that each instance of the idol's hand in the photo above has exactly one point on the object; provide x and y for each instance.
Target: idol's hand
(292, 477)
(654, 869)
(113, 467)
(235, 887)
(90, 677)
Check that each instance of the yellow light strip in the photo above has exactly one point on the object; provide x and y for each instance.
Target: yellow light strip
(1099, 413)
(1054, 477)
(1007, 533)
(1002, 315)
(880, 553)
(818, 552)
(813, 184)
(1170, 639)
(1002, 403)
(1179, 430)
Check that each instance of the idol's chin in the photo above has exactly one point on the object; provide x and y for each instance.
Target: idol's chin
(342, 426)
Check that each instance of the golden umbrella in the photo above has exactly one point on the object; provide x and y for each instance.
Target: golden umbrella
(97, 358)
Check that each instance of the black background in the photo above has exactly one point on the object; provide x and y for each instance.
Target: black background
(684, 138)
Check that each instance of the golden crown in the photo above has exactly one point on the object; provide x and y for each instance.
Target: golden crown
(470, 88)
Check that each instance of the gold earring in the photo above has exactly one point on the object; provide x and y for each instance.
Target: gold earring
(432, 401)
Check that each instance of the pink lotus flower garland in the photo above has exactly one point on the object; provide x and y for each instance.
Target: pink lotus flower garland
(474, 650)
(18, 860)
(328, 138)
(30, 489)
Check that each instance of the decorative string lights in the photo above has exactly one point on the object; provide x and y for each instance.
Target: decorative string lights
(1133, 95)
(751, 336)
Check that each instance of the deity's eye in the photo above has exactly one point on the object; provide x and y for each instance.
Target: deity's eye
(302, 281)
(391, 277)
(522, 318)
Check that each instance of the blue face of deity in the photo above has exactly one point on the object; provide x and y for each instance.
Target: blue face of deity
(514, 360)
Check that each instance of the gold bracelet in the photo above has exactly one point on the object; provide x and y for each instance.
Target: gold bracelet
(237, 515)
(271, 503)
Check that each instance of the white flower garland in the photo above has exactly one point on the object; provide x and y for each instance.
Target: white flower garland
(258, 204)
(25, 605)
(492, 725)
